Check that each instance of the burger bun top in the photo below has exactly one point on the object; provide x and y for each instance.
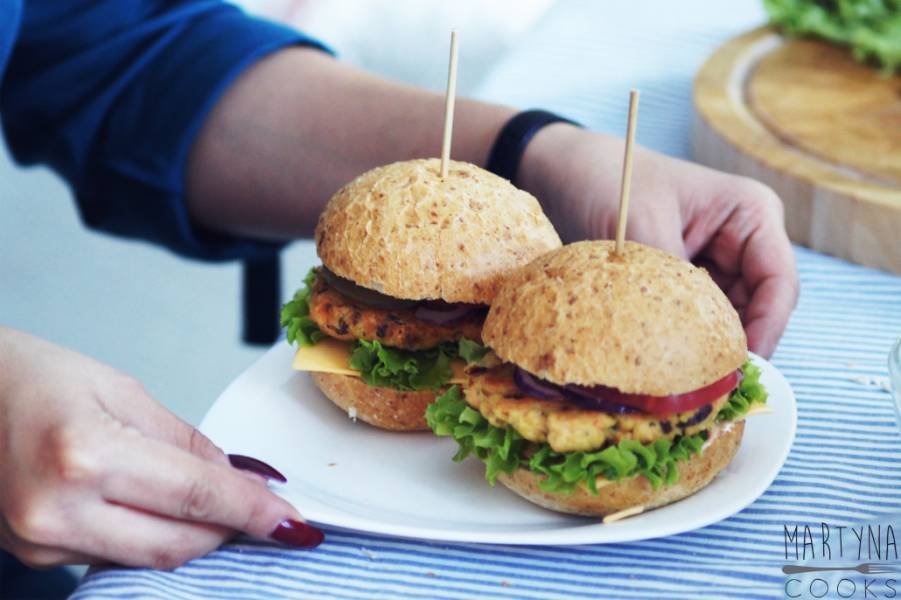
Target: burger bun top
(404, 231)
(643, 321)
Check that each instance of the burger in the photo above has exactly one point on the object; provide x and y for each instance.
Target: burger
(410, 263)
(613, 382)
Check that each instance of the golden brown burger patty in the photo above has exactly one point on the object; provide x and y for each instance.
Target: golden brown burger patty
(567, 427)
(340, 317)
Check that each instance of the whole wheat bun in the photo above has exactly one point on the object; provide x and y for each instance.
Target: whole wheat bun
(643, 322)
(379, 406)
(403, 231)
(694, 474)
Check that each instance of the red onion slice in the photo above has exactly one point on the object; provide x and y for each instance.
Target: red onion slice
(533, 386)
(545, 390)
(613, 401)
(444, 313)
(587, 398)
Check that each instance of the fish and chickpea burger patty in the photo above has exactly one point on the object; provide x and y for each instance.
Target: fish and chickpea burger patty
(607, 381)
(343, 318)
(410, 263)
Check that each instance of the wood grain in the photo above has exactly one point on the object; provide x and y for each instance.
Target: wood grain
(820, 129)
(817, 99)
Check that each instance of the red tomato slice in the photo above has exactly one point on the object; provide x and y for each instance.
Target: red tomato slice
(667, 405)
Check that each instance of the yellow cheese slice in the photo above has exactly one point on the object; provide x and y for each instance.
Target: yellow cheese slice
(333, 356)
(327, 356)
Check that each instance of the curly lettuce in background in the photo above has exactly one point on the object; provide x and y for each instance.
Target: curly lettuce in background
(872, 28)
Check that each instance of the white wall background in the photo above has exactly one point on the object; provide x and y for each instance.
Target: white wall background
(408, 40)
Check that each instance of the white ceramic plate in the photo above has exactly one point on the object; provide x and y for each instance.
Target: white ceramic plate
(349, 475)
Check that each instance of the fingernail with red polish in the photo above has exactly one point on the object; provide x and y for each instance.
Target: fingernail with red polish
(298, 534)
(246, 463)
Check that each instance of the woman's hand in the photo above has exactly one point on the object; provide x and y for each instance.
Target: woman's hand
(733, 226)
(94, 470)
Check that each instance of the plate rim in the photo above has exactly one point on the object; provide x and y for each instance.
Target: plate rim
(588, 533)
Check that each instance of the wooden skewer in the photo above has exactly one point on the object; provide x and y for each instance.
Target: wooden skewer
(449, 105)
(627, 173)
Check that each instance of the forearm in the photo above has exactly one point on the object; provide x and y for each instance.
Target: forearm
(299, 124)
(555, 160)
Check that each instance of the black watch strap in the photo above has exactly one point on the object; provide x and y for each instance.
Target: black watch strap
(511, 142)
(261, 299)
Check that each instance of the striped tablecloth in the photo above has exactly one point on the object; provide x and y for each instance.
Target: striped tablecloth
(844, 467)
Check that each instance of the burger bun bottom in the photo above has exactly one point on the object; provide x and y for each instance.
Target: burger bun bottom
(380, 407)
(694, 475)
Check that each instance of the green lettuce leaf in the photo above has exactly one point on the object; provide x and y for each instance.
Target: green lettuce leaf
(749, 392)
(503, 450)
(872, 28)
(295, 317)
(500, 449)
(472, 352)
(408, 370)
(403, 370)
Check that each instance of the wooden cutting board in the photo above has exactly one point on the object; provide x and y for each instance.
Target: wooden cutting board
(820, 129)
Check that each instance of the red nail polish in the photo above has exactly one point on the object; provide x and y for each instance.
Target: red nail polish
(298, 534)
(247, 463)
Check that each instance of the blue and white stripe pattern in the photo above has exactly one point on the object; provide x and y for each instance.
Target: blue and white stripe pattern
(844, 468)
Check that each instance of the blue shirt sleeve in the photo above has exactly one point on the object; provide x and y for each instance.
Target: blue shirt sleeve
(112, 93)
